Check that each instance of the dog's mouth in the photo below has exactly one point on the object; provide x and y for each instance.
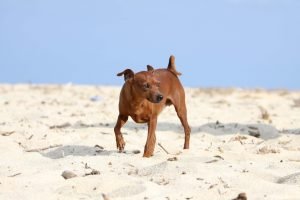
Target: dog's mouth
(149, 99)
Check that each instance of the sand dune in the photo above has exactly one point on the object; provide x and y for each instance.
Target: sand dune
(242, 141)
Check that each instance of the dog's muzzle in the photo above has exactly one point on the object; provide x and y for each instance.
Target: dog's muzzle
(159, 98)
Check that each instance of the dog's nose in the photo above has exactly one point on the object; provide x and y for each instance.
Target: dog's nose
(159, 97)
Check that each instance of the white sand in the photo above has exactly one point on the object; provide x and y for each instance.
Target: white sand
(222, 162)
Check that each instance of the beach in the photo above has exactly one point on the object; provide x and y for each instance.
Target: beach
(242, 141)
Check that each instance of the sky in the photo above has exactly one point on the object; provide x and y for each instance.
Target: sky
(217, 43)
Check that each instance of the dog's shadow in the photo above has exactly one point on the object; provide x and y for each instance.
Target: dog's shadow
(132, 126)
(263, 131)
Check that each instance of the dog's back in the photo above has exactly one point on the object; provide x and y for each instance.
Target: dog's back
(170, 85)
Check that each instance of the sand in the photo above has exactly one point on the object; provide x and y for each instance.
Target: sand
(46, 130)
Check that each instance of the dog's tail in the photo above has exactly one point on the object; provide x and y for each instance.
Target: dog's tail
(172, 67)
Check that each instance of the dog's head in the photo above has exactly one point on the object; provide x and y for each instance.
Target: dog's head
(144, 84)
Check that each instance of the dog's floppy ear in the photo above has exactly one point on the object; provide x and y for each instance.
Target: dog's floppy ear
(150, 68)
(128, 73)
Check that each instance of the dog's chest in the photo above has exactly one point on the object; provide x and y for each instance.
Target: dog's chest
(141, 113)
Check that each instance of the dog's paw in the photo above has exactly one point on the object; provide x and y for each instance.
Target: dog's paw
(121, 146)
(148, 151)
(120, 143)
(146, 155)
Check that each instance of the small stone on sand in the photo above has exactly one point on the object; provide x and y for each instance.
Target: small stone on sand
(68, 174)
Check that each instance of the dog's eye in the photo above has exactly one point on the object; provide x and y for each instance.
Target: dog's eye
(146, 86)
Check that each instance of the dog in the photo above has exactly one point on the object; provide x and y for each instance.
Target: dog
(144, 95)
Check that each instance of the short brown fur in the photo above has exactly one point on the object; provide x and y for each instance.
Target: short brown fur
(143, 97)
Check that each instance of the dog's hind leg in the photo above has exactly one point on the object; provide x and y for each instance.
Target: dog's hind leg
(180, 108)
(122, 119)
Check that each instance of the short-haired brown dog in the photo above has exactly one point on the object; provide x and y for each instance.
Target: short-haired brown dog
(143, 97)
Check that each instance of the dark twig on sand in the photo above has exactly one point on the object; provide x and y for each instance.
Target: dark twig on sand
(17, 174)
(212, 161)
(7, 133)
(65, 125)
(93, 172)
(172, 159)
(163, 148)
(30, 137)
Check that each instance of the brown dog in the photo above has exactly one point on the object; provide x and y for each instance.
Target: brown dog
(143, 97)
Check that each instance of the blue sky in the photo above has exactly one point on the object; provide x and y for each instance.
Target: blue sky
(226, 43)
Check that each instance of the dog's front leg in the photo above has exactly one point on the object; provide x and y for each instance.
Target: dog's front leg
(122, 119)
(151, 138)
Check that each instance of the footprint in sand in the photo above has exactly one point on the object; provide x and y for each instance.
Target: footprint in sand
(127, 191)
(152, 170)
(292, 179)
